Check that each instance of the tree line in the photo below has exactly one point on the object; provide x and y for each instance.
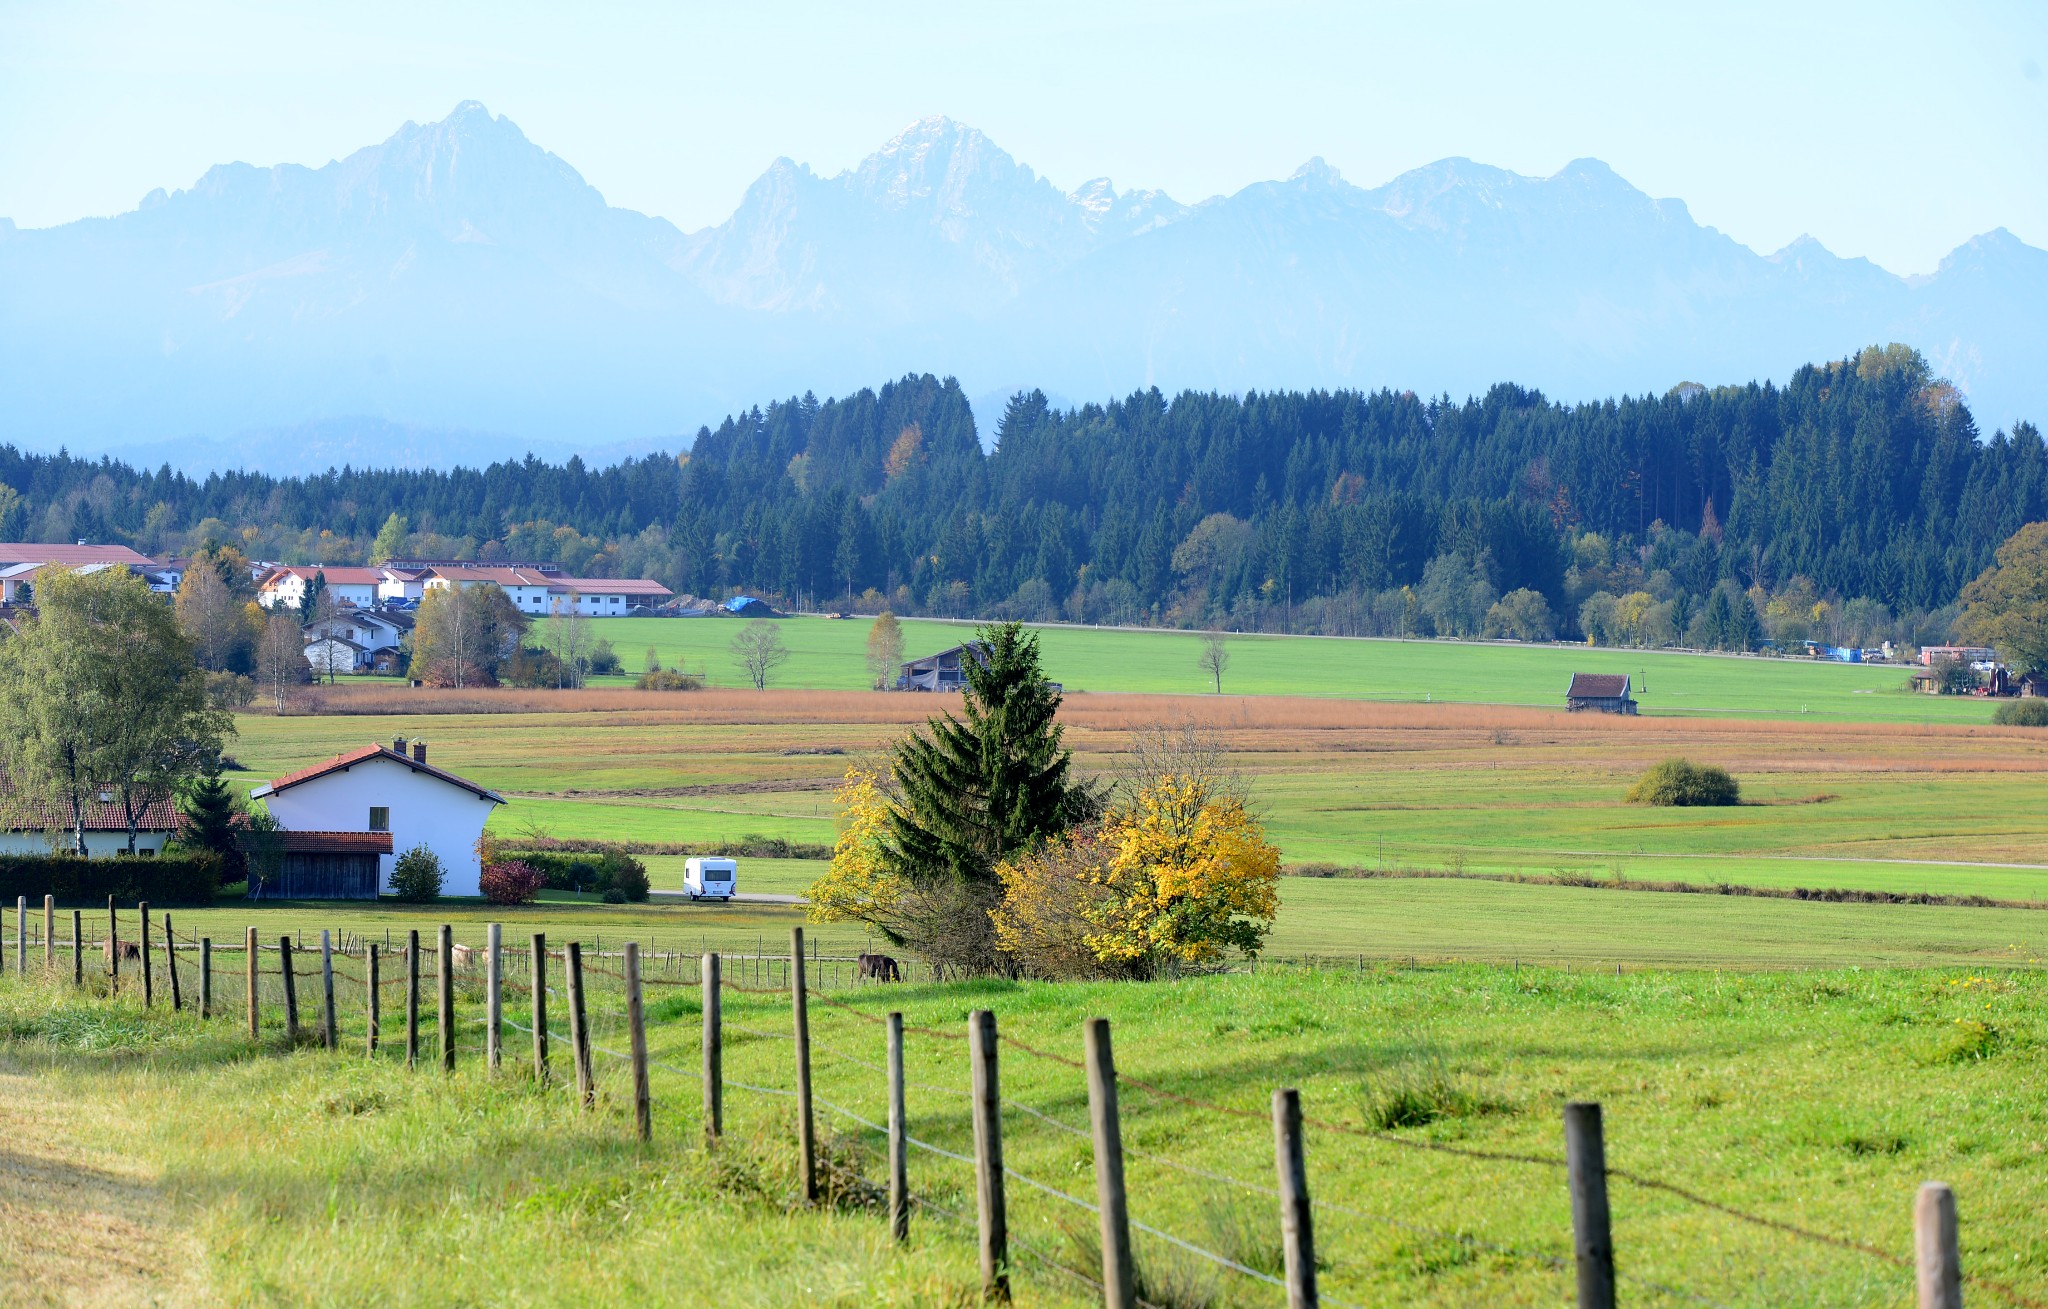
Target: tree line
(1849, 505)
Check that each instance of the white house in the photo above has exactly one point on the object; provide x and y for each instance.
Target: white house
(541, 593)
(383, 790)
(355, 641)
(287, 585)
(47, 830)
(402, 583)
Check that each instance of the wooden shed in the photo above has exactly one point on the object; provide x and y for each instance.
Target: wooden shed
(319, 865)
(1606, 693)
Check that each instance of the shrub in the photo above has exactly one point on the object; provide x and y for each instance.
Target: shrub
(602, 659)
(667, 679)
(511, 881)
(1682, 782)
(625, 875)
(2031, 712)
(613, 895)
(416, 877)
(600, 870)
(191, 877)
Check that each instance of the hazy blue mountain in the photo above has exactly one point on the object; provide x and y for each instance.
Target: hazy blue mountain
(458, 293)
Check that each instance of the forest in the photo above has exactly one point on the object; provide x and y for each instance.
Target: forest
(1849, 505)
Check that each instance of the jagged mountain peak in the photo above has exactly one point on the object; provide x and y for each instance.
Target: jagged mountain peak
(1318, 172)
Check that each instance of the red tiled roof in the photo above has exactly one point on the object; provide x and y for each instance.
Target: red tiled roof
(1598, 686)
(336, 576)
(159, 816)
(334, 842)
(341, 763)
(30, 552)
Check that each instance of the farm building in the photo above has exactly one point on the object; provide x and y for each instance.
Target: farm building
(378, 796)
(938, 672)
(2032, 686)
(1606, 693)
(46, 829)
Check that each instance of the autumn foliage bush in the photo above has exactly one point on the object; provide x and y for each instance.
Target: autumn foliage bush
(511, 881)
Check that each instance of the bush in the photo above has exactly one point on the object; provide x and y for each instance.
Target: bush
(169, 879)
(511, 881)
(416, 877)
(2031, 712)
(625, 875)
(1682, 782)
(668, 679)
(600, 871)
(602, 659)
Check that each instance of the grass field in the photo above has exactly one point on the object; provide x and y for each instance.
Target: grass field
(831, 655)
(1819, 1099)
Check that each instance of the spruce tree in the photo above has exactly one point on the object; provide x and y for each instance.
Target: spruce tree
(208, 810)
(976, 789)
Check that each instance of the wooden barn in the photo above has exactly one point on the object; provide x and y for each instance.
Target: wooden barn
(1606, 693)
(939, 672)
(319, 865)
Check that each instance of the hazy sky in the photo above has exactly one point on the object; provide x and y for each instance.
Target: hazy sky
(1886, 130)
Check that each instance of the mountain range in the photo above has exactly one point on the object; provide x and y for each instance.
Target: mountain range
(458, 293)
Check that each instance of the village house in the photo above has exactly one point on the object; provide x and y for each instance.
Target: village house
(288, 585)
(21, 562)
(356, 641)
(1606, 693)
(541, 593)
(46, 829)
(345, 821)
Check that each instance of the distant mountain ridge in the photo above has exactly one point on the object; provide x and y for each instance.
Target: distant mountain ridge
(459, 279)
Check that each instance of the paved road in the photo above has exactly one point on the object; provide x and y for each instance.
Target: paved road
(743, 897)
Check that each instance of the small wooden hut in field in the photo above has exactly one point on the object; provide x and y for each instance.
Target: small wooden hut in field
(1605, 693)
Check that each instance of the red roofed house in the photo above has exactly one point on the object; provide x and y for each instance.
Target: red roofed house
(334, 812)
(47, 829)
(533, 591)
(287, 585)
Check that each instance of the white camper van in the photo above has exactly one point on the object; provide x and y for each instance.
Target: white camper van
(710, 879)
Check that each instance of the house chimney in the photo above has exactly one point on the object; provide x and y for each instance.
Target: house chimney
(398, 745)
(419, 751)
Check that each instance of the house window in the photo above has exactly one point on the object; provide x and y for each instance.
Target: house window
(380, 818)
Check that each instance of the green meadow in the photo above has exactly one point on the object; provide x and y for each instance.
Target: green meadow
(831, 654)
(1818, 1099)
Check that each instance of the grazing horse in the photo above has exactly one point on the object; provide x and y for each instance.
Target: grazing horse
(129, 950)
(879, 968)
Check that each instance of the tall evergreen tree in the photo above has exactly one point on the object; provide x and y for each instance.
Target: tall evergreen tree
(976, 789)
(207, 811)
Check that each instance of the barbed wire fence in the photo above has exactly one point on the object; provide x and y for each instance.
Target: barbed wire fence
(581, 1009)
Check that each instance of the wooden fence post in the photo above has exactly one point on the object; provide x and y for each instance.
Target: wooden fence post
(113, 948)
(445, 995)
(579, 1034)
(540, 1007)
(78, 947)
(988, 1156)
(1119, 1281)
(1585, 1152)
(291, 989)
(21, 935)
(412, 998)
(251, 961)
(171, 963)
(148, 982)
(330, 1037)
(1297, 1223)
(206, 977)
(899, 1129)
(1937, 1265)
(636, 1021)
(806, 1128)
(371, 961)
(714, 1052)
(49, 930)
(494, 999)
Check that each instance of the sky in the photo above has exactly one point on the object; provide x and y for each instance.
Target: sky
(1889, 131)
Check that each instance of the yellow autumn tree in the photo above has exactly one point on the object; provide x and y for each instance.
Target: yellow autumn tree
(1177, 877)
(860, 886)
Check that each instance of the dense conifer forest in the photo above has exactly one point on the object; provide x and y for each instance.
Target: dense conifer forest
(1849, 505)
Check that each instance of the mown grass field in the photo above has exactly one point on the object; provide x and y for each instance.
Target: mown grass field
(152, 1158)
(828, 654)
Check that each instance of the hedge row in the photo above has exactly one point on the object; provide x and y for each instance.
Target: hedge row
(180, 879)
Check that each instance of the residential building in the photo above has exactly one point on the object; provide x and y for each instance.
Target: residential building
(371, 792)
(46, 829)
(289, 584)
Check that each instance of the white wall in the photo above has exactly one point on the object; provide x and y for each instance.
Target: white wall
(424, 810)
(98, 845)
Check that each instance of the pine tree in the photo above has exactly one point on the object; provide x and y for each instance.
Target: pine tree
(207, 809)
(978, 789)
